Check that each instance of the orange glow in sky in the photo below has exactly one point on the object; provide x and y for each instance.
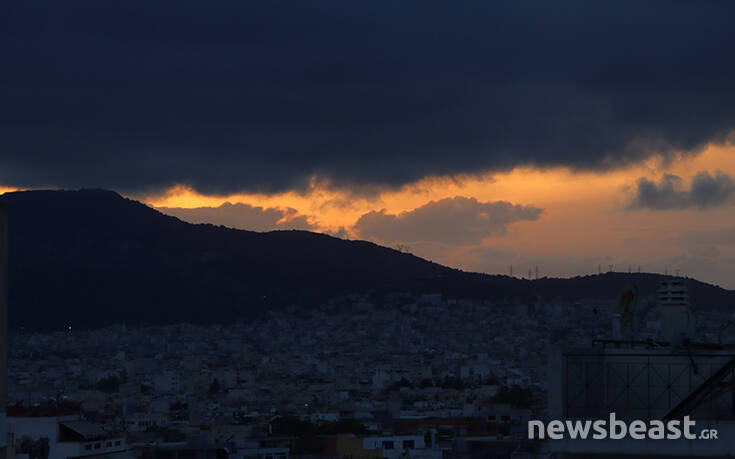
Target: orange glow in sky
(584, 212)
(584, 223)
(558, 188)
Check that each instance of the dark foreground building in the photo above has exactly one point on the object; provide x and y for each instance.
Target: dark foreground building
(3, 328)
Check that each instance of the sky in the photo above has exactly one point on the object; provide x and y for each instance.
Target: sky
(572, 136)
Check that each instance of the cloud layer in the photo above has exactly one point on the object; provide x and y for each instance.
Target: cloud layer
(243, 216)
(706, 191)
(722, 237)
(457, 220)
(263, 95)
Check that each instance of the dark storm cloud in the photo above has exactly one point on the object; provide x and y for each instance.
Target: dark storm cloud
(242, 216)
(261, 95)
(457, 220)
(706, 191)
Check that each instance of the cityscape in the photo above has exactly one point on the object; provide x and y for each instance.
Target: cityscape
(413, 377)
(367, 229)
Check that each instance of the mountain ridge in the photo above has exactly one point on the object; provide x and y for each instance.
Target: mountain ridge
(90, 258)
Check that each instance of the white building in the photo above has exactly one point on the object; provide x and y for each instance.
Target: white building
(382, 377)
(168, 383)
(68, 436)
(140, 422)
(394, 446)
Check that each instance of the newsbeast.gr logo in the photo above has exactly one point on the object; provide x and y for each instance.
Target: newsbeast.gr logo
(617, 429)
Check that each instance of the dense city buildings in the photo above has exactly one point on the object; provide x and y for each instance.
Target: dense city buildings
(411, 376)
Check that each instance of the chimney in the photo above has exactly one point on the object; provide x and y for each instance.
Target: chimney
(677, 321)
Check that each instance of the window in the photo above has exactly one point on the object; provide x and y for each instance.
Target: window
(408, 444)
(387, 445)
(117, 443)
(87, 447)
(97, 445)
(109, 443)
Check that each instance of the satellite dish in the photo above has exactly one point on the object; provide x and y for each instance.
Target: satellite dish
(627, 303)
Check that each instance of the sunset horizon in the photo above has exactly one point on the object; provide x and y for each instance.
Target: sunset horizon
(564, 222)
(367, 229)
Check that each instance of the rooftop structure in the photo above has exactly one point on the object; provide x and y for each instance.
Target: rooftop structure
(647, 380)
(677, 321)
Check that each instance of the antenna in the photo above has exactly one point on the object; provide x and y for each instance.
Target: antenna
(599, 269)
(610, 268)
(511, 270)
(529, 273)
(537, 272)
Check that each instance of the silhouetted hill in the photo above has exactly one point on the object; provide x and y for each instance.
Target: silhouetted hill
(90, 258)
